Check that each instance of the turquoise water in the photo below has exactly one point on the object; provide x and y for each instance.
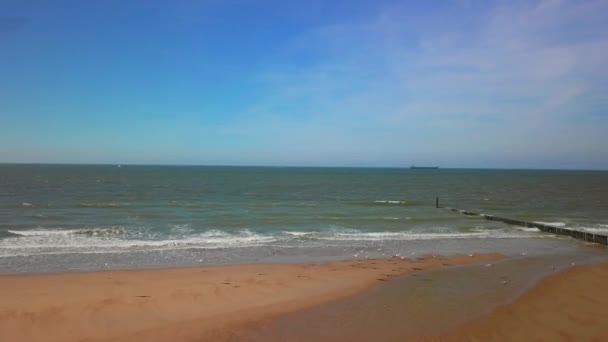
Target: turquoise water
(68, 210)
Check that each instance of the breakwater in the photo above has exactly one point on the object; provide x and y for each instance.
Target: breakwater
(577, 234)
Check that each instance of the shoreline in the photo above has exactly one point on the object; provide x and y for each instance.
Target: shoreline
(284, 254)
(214, 303)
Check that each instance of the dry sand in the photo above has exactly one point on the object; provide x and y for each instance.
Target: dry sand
(187, 304)
(568, 306)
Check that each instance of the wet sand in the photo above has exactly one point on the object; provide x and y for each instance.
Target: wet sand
(508, 300)
(568, 306)
(186, 304)
(413, 307)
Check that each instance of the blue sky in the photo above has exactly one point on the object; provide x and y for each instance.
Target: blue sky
(510, 84)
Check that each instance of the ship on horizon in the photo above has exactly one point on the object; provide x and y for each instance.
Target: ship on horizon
(414, 167)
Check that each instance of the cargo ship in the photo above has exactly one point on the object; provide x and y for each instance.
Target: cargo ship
(413, 167)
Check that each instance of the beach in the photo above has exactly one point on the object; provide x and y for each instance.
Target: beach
(571, 305)
(482, 302)
(184, 304)
(348, 300)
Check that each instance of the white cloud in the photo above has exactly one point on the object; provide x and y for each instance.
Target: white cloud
(518, 70)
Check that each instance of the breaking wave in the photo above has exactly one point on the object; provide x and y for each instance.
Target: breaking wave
(129, 239)
(553, 224)
(602, 229)
(390, 202)
(5, 234)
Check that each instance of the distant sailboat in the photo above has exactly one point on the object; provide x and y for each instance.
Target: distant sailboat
(119, 166)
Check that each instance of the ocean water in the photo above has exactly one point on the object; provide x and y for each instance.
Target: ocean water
(61, 217)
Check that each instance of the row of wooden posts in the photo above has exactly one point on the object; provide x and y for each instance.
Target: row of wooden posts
(577, 234)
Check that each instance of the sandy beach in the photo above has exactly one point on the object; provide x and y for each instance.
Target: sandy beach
(298, 302)
(482, 302)
(186, 304)
(568, 306)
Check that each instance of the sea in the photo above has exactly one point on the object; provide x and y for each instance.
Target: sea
(56, 218)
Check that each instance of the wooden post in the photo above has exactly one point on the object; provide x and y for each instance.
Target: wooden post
(581, 235)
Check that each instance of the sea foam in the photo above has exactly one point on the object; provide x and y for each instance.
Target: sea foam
(126, 239)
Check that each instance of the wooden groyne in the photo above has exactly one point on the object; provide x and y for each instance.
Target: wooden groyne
(577, 234)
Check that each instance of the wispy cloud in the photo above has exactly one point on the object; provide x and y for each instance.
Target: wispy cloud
(517, 80)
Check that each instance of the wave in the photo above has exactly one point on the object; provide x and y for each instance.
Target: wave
(600, 229)
(181, 229)
(384, 202)
(390, 202)
(527, 229)
(67, 232)
(467, 229)
(102, 231)
(380, 236)
(7, 234)
(41, 232)
(102, 205)
(433, 233)
(114, 240)
(194, 204)
(372, 219)
(553, 224)
(44, 217)
(129, 239)
(298, 233)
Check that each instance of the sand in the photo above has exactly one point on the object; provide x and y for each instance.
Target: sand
(411, 307)
(233, 303)
(185, 304)
(567, 306)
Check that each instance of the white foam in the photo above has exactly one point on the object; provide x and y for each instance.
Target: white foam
(42, 241)
(125, 239)
(379, 236)
(599, 229)
(528, 229)
(25, 204)
(182, 229)
(298, 233)
(42, 232)
(554, 224)
(427, 234)
(390, 202)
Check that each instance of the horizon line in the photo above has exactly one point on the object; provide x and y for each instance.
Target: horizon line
(295, 166)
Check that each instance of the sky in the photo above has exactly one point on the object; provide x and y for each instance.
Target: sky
(490, 84)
